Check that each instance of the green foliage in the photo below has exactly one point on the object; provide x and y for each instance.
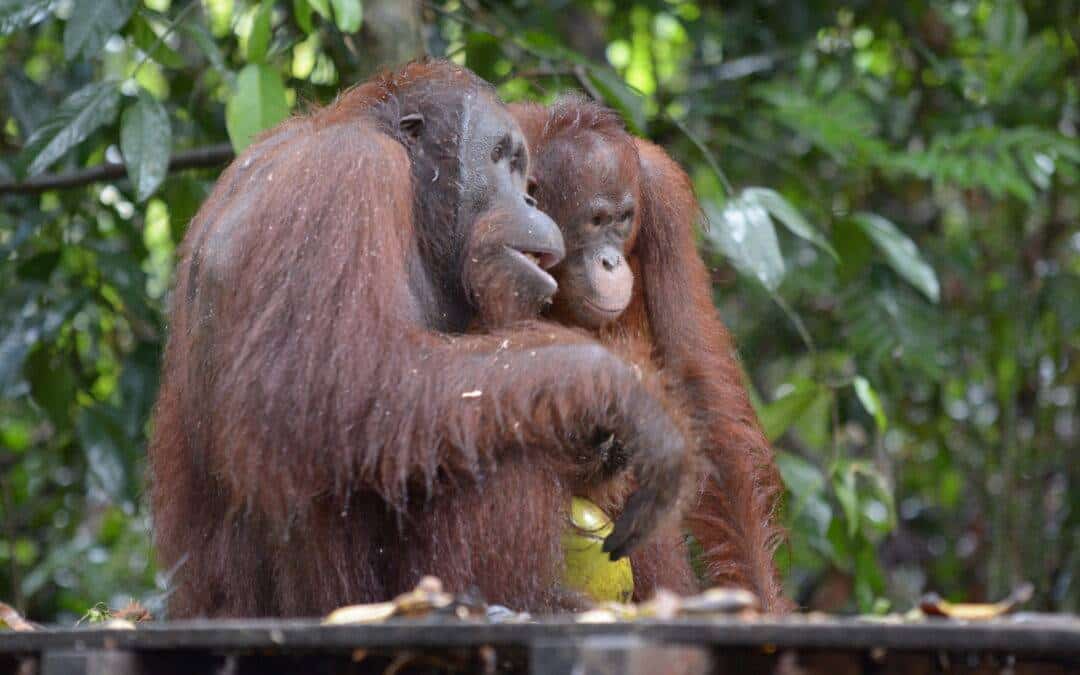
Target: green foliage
(891, 205)
(77, 117)
(145, 140)
(258, 103)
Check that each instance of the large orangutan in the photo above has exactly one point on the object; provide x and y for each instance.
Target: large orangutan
(627, 211)
(325, 434)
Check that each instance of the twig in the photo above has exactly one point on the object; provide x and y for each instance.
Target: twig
(198, 158)
(704, 150)
(180, 16)
(583, 79)
(795, 319)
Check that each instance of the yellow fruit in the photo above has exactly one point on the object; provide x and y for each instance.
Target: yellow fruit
(588, 569)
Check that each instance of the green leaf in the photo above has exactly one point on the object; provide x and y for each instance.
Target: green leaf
(258, 40)
(778, 416)
(348, 14)
(146, 141)
(901, 253)
(78, 116)
(147, 40)
(220, 14)
(844, 485)
(206, 44)
(302, 14)
(871, 402)
(91, 23)
(789, 216)
(629, 103)
(39, 267)
(15, 343)
(52, 385)
(869, 580)
(27, 101)
(888, 324)
(102, 440)
(747, 237)
(803, 479)
(18, 14)
(320, 6)
(1006, 28)
(257, 104)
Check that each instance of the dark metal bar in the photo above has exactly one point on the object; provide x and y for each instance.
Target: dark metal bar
(1031, 633)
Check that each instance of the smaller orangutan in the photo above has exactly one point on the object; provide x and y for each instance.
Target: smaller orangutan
(627, 212)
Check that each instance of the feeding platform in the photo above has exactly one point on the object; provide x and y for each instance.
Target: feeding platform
(798, 645)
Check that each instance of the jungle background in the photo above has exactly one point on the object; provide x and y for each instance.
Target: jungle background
(892, 201)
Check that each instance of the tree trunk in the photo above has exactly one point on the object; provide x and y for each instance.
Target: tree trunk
(392, 34)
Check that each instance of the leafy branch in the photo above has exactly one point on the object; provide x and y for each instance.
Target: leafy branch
(206, 157)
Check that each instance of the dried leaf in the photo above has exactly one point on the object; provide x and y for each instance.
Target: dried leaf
(14, 620)
(351, 614)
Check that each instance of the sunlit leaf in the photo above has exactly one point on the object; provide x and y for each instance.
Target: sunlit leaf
(320, 6)
(621, 97)
(142, 33)
(257, 104)
(71, 123)
(348, 14)
(302, 14)
(744, 233)
(220, 14)
(782, 210)
(258, 40)
(870, 402)
(91, 23)
(901, 253)
(146, 141)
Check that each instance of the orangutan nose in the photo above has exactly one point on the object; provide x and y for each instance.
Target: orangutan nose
(610, 260)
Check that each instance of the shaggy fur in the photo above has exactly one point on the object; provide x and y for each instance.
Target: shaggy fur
(672, 324)
(323, 434)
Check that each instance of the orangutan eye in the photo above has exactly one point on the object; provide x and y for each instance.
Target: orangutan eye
(601, 219)
(499, 151)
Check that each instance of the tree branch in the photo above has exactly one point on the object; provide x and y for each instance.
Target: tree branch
(197, 158)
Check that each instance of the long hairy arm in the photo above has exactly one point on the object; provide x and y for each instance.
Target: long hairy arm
(734, 519)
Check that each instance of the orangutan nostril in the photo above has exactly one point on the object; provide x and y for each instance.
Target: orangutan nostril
(610, 261)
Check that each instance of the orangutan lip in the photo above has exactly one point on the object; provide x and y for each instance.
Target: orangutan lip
(604, 310)
(536, 260)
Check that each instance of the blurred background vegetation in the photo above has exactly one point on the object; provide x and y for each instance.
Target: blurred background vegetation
(892, 196)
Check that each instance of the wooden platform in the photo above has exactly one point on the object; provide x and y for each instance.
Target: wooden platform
(1025, 643)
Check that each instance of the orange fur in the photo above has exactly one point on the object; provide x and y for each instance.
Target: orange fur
(673, 324)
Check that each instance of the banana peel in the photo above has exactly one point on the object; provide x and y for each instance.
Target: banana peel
(934, 605)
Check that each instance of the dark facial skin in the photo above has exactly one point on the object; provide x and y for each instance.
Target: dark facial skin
(592, 194)
(513, 242)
